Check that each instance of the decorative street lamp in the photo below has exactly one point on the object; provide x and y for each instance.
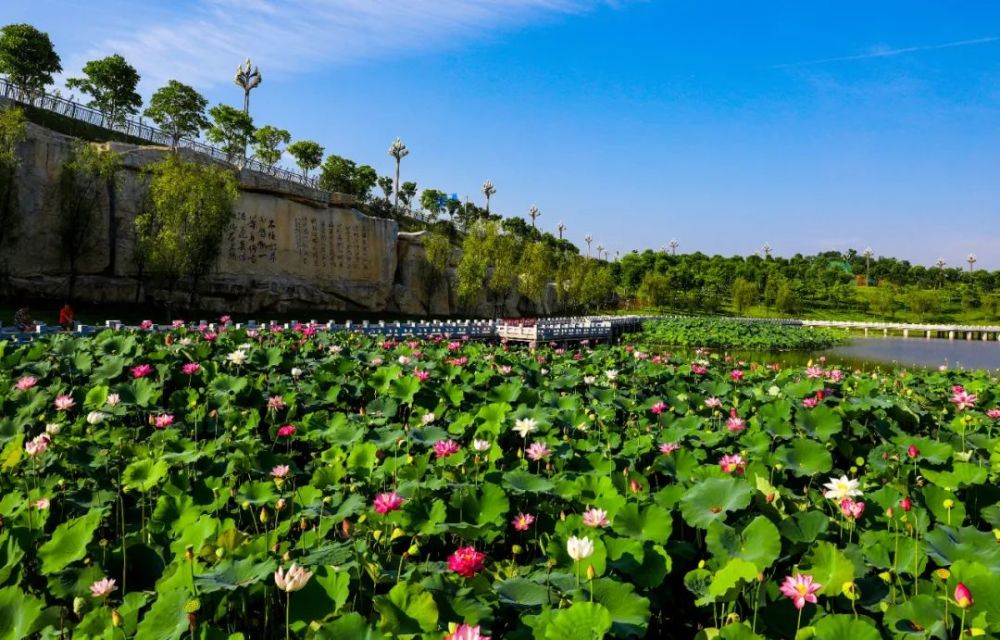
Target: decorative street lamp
(398, 151)
(247, 78)
(588, 239)
(673, 247)
(868, 265)
(971, 260)
(600, 250)
(940, 263)
(534, 213)
(488, 191)
(561, 227)
(766, 250)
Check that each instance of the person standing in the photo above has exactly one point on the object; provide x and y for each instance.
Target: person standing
(66, 317)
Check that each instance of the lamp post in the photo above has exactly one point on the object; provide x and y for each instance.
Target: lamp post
(398, 151)
(972, 261)
(600, 250)
(868, 265)
(673, 247)
(766, 250)
(534, 213)
(561, 227)
(488, 191)
(247, 78)
(588, 239)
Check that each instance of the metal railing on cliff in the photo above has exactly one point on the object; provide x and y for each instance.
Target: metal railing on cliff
(141, 131)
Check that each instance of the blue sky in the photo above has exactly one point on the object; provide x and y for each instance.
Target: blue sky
(808, 125)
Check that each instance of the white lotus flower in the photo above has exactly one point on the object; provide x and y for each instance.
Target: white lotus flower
(589, 380)
(524, 426)
(428, 418)
(611, 374)
(237, 357)
(579, 548)
(96, 417)
(296, 372)
(293, 580)
(842, 487)
(481, 445)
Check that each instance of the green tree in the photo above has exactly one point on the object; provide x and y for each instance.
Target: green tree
(111, 84)
(432, 201)
(784, 299)
(386, 184)
(231, 129)
(180, 232)
(27, 57)
(437, 252)
(535, 271)
(83, 179)
(267, 144)
(307, 153)
(178, 110)
(882, 301)
(654, 290)
(407, 191)
(472, 268)
(345, 176)
(13, 128)
(744, 295)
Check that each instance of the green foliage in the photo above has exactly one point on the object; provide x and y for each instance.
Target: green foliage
(307, 153)
(190, 206)
(267, 143)
(111, 84)
(744, 295)
(27, 56)
(13, 128)
(534, 271)
(345, 176)
(231, 129)
(178, 110)
(738, 334)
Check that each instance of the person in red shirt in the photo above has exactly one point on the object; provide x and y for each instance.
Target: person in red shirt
(66, 317)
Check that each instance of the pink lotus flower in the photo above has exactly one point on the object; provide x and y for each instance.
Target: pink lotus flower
(275, 403)
(454, 345)
(177, 324)
(280, 471)
(814, 372)
(963, 597)
(669, 447)
(142, 370)
(466, 632)
(732, 463)
(735, 375)
(810, 403)
(962, 399)
(658, 408)
(422, 375)
(835, 376)
(146, 325)
(225, 319)
(25, 383)
(538, 451)
(210, 336)
(522, 521)
(467, 562)
(102, 587)
(481, 445)
(912, 451)
(64, 403)
(41, 504)
(801, 589)
(851, 509)
(163, 421)
(906, 503)
(190, 368)
(595, 518)
(735, 424)
(287, 431)
(713, 402)
(37, 445)
(993, 414)
(505, 369)
(698, 369)
(445, 448)
(386, 502)
(114, 400)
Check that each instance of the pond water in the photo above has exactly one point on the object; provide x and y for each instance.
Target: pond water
(868, 353)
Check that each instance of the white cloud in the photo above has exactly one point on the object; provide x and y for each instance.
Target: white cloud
(203, 44)
(885, 51)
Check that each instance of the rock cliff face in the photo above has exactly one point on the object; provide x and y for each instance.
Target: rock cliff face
(289, 247)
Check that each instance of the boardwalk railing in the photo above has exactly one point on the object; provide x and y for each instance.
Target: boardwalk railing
(141, 131)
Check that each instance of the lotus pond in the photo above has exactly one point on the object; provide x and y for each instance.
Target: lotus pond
(300, 484)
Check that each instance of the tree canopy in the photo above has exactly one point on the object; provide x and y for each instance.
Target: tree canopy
(179, 110)
(308, 154)
(111, 83)
(267, 143)
(231, 129)
(27, 56)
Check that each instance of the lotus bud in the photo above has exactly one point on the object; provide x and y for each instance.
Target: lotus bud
(889, 512)
(590, 572)
(79, 604)
(345, 528)
(963, 597)
(906, 503)
(303, 524)
(264, 516)
(116, 618)
(701, 564)
(280, 505)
